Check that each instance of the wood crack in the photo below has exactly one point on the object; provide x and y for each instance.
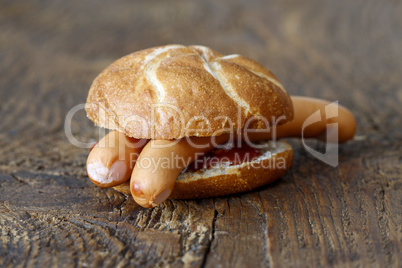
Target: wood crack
(211, 238)
(15, 177)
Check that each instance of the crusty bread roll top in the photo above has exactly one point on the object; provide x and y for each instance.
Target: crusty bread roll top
(174, 91)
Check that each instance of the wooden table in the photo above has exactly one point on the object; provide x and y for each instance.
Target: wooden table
(316, 215)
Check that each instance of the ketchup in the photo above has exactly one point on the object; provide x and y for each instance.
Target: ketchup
(233, 156)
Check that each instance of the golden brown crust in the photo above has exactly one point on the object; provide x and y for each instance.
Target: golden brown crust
(238, 179)
(175, 91)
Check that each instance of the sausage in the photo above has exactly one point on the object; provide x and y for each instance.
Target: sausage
(156, 170)
(328, 115)
(111, 161)
(304, 107)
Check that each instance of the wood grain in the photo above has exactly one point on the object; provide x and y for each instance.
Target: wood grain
(315, 216)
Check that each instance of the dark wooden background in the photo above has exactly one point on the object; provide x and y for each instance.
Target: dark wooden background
(316, 215)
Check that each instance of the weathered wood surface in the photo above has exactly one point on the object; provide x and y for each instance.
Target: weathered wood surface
(316, 215)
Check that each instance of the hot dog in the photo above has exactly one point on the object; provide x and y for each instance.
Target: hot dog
(148, 95)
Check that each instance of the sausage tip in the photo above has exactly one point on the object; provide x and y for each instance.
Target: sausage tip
(102, 176)
(98, 172)
(147, 201)
(161, 197)
(137, 189)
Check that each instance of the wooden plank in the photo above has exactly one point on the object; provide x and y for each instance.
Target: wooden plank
(316, 215)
